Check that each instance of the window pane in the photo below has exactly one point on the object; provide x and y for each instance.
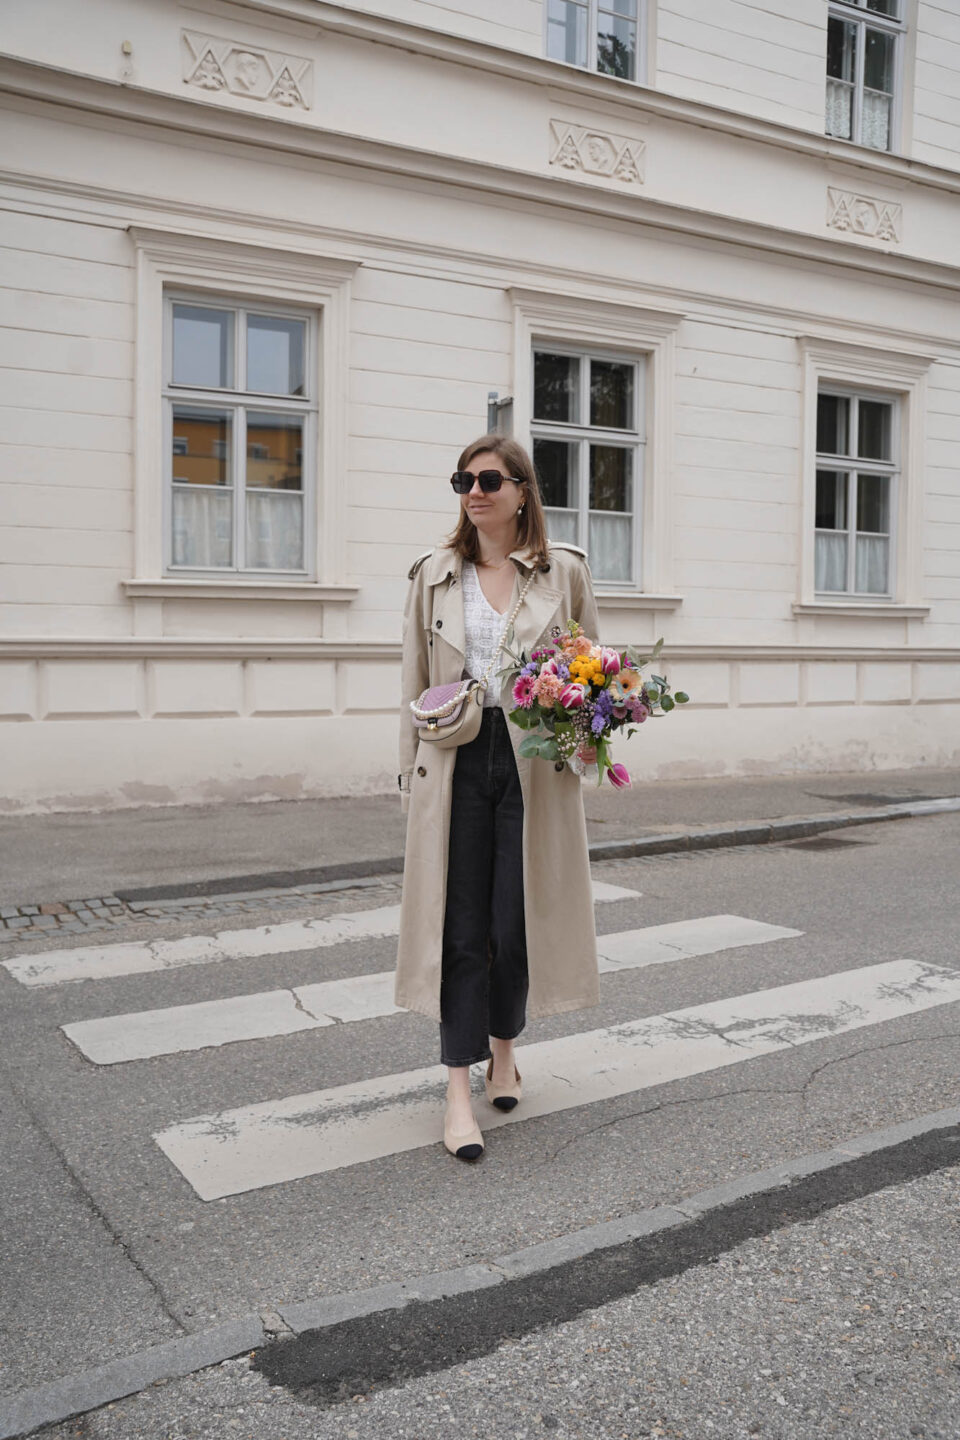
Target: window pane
(202, 527)
(556, 387)
(621, 7)
(885, 7)
(841, 49)
(275, 350)
(274, 530)
(556, 464)
(201, 445)
(830, 567)
(567, 32)
(611, 395)
(833, 424)
(274, 451)
(871, 565)
(876, 120)
(831, 510)
(873, 503)
(610, 487)
(202, 347)
(878, 61)
(616, 46)
(610, 543)
(874, 427)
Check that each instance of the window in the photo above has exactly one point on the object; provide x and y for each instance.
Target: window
(855, 494)
(240, 415)
(600, 35)
(863, 63)
(587, 447)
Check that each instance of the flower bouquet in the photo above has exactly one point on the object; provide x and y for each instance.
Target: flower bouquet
(573, 695)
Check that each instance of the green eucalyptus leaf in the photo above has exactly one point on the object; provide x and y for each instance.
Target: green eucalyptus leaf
(530, 746)
(681, 697)
(666, 703)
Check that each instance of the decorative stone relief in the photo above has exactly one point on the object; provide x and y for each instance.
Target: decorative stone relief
(864, 215)
(596, 152)
(246, 70)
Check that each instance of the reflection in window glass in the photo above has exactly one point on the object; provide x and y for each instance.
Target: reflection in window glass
(885, 7)
(874, 428)
(873, 493)
(202, 347)
(616, 46)
(274, 446)
(610, 478)
(556, 387)
(201, 445)
(567, 31)
(555, 465)
(841, 72)
(611, 394)
(831, 500)
(275, 355)
(833, 413)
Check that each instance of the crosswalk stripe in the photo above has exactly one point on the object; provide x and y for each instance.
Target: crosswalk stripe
(287, 1139)
(114, 1039)
(103, 962)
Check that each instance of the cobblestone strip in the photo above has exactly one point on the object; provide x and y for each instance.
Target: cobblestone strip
(80, 917)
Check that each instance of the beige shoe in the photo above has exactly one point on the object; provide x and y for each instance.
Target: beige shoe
(505, 1097)
(465, 1147)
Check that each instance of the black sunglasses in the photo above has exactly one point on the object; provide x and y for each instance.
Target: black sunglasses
(490, 480)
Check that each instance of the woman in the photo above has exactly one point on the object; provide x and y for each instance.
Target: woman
(497, 909)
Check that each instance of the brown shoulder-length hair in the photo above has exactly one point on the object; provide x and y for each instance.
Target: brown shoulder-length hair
(531, 524)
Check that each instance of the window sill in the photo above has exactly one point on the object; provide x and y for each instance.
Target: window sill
(184, 589)
(636, 600)
(862, 608)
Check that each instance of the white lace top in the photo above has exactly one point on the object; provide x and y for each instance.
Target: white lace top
(483, 627)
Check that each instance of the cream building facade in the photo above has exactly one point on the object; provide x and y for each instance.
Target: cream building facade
(265, 263)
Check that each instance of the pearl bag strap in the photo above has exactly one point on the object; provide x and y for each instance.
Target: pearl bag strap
(482, 682)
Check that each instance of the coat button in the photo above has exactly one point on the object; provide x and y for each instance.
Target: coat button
(421, 769)
(439, 624)
(558, 765)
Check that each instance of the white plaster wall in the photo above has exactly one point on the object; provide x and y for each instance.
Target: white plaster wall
(936, 91)
(758, 57)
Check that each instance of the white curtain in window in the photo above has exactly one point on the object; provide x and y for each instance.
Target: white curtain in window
(831, 562)
(274, 530)
(202, 526)
(609, 548)
(562, 525)
(871, 564)
(876, 120)
(839, 109)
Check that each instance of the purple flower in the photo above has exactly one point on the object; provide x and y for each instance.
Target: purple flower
(604, 704)
(598, 724)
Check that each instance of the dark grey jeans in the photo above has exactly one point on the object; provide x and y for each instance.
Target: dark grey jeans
(484, 978)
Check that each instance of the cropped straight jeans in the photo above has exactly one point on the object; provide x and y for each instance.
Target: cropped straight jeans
(484, 983)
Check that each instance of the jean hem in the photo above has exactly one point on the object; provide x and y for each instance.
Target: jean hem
(487, 1055)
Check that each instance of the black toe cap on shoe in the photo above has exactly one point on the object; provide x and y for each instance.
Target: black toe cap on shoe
(505, 1102)
(469, 1152)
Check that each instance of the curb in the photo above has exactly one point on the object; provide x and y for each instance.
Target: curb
(77, 1394)
(332, 877)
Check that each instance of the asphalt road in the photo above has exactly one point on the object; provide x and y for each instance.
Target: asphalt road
(110, 1250)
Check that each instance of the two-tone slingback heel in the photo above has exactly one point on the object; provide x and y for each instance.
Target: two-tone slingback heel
(504, 1097)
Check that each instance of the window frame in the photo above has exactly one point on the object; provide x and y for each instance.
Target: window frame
(585, 434)
(262, 277)
(593, 8)
(855, 12)
(548, 319)
(854, 466)
(835, 366)
(241, 402)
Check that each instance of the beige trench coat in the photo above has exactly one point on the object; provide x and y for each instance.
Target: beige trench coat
(558, 899)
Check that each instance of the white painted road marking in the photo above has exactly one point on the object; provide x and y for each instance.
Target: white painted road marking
(287, 1139)
(113, 1039)
(103, 962)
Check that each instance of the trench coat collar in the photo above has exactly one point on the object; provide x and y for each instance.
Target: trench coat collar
(538, 611)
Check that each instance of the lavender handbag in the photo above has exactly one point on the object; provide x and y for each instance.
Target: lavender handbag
(448, 715)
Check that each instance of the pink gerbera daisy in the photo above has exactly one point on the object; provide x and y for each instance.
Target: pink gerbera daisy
(523, 692)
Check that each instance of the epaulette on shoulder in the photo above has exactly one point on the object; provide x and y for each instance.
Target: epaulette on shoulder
(565, 545)
(417, 563)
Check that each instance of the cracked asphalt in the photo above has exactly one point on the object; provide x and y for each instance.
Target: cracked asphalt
(108, 1250)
